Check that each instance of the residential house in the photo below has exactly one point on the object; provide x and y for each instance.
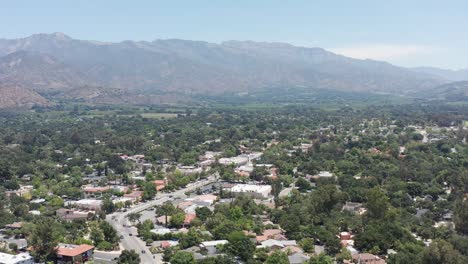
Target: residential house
(356, 208)
(366, 258)
(68, 253)
(21, 258)
(298, 258)
(72, 214)
(277, 244)
(212, 247)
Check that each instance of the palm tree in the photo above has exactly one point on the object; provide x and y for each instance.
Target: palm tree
(165, 209)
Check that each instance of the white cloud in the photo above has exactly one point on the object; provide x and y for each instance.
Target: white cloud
(383, 51)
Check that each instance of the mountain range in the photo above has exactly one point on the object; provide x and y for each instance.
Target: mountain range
(55, 67)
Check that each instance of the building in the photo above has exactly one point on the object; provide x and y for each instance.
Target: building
(72, 214)
(298, 258)
(237, 161)
(366, 258)
(23, 191)
(205, 200)
(68, 253)
(257, 191)
(212, 246)
(136, 196)
(87, 204)
(277, 244)
(355, 208)
(22, 258)
(160, 184)
(95, 191)
(190, 170)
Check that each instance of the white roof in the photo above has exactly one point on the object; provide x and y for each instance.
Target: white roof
(279, 243)
(325, 174)
(161, 231)
(11, 259)
(251, 188)
(213, 243)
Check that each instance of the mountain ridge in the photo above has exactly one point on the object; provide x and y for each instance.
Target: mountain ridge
(187, 68)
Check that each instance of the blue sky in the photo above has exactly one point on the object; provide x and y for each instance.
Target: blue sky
(407, 33)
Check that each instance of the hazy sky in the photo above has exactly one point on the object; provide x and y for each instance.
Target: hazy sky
(408, 33)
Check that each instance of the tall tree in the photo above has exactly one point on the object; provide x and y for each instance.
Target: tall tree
(44, 240)
(128, 257)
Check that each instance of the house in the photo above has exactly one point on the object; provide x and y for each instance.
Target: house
(190, 170)
(189, 218)
(298, 258)
(72, 214)
(237, 161)
(22, 258)
(87, 204)
(23, 191)
(68, 253)
(95, 191)
(355, 208)
(15, 225)
(161, 231)
(323, 175)
(168, 244)
(160, 184)
(366, 258)
(162, 220)
(136, 196)
(270, 234)
(212, 246)
(205, 200)
(277, 244)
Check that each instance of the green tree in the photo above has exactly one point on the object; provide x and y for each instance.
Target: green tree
(128, 257)
(203, 213)
(134, 217)
(96, 235)
(182, 257)
(442, 252)
(110, 234)
(240, 245)
(461, 216)
(166, 209)
(277, 257)
(44, 240)
(177, 219)
(377, 204)
(107, 205)
(320, 259)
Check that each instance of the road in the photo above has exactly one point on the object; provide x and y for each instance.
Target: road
(120, 222)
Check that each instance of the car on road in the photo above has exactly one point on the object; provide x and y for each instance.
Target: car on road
(130, 234)
(143, 252)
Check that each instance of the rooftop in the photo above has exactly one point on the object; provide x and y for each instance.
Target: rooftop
(72, 250)
(10, 258)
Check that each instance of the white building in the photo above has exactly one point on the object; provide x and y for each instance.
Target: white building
(259, 191)
(22, 258)
(212, 246)
(237, 161)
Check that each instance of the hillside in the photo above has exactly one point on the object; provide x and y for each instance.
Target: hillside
(455, 91)
(18, 97)
(195, 67)
(453, 75)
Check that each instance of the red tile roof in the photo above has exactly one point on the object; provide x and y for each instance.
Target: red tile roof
(73, 250)
(189, 218)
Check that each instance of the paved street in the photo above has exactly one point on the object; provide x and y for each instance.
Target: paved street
(120, 222)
